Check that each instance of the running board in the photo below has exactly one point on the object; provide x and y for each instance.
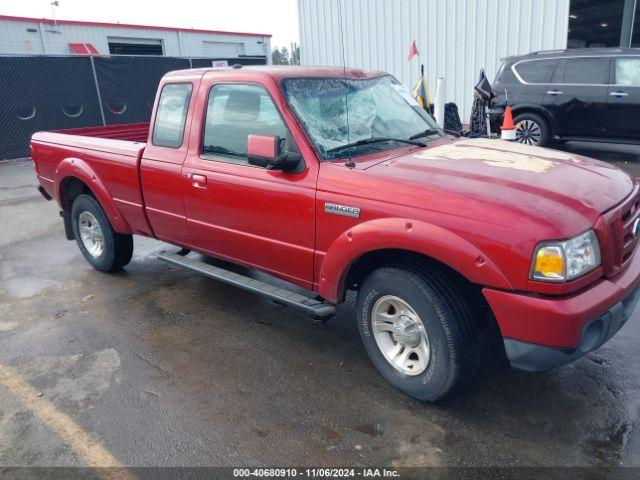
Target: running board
(280, 295)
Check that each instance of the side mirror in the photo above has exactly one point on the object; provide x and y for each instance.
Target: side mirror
(266, 151)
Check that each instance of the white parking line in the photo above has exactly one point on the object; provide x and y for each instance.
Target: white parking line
(87, 447)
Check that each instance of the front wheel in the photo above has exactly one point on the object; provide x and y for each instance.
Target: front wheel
(104, 248)
(418, 330)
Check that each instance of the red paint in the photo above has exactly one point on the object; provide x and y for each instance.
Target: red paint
(83, 49)
(558, 321)
(50, 21)
(474, 206)
(263, 146)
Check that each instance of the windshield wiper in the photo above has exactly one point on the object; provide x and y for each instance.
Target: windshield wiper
(367, 141)
(425, 133)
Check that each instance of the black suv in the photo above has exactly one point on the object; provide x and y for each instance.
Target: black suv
(583, 94)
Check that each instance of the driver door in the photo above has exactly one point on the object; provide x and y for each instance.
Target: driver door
(247, 214)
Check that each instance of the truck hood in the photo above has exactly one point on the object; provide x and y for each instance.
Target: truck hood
(493, 179)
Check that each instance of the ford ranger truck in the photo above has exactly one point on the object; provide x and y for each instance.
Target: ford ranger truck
(332, 181)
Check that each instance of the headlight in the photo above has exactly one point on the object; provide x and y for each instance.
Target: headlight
(561, 261)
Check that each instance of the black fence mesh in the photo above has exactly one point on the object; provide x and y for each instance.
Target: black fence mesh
(128, 85)
(51, 93)
(43, 93)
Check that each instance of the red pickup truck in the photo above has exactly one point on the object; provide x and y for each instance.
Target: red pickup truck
(336, 180)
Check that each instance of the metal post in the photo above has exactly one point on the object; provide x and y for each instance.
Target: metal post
(45, 50)
(180, 49)
(438, 103)
(95, 81)
(628, 16)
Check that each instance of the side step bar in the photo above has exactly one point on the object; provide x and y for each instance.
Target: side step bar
(280, 295)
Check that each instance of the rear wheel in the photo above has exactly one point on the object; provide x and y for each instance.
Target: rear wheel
(532, 129)
(105, 249)
(418, 330)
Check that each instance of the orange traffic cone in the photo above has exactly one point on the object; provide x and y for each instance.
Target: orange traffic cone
(508, 129)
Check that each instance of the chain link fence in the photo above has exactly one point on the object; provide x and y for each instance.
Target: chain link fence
(51, 92)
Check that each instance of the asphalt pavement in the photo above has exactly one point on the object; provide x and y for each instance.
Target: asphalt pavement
(157, 366)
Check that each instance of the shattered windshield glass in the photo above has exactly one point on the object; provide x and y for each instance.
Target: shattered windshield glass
(378, 108)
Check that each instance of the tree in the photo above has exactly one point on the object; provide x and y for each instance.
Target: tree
(276, 57)
(283, 56)
(295, 54)
(286, 59)
(280, 57)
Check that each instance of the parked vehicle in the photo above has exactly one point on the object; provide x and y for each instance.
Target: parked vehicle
(444, 239)
(580, 94)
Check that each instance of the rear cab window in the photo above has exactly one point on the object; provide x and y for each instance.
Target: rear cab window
(171, 115)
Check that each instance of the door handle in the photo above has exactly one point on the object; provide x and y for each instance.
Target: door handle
(619, 94)
(554, 92)
(197, 180)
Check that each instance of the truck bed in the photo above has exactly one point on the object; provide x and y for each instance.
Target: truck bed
(134, 132)
(111, 156)
(126, 139)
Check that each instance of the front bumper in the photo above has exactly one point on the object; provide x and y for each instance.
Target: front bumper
(537, 358)
(542, 332)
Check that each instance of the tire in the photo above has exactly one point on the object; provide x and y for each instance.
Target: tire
(532, 129)
(451, 332)
(89, 224)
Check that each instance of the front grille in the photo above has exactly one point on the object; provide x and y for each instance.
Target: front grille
(623, 242)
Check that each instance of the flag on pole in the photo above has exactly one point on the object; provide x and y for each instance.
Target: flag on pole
(413, 51)
(420, 92)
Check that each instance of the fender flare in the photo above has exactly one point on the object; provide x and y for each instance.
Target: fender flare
(77, 168)
(410, 235)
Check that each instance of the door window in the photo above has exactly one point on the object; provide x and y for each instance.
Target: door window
(235, 111)
(628, 71)
(536, 71)
(168, 129)
(586, 71)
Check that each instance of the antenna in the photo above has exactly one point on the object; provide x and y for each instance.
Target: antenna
(350, 162)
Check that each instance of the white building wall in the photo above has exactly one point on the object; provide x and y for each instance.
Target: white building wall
(16, 39)
(455, 37)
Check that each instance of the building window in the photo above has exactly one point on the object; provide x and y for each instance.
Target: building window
(595, 24)
(135, 46)
(635, 28)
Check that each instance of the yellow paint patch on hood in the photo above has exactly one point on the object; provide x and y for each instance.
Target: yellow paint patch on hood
(499, 153)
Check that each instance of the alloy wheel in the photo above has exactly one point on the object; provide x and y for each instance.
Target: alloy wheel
(400, 335)
(91, 234)
(528, 132)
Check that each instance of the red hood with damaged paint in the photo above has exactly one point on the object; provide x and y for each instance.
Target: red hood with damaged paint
(503, 197)
(464, 177)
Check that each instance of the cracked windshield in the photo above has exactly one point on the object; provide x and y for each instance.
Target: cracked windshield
(350, 117)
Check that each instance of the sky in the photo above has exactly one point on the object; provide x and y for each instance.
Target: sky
(276, 17)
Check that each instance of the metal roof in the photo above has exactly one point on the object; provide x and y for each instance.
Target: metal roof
(125, 25)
